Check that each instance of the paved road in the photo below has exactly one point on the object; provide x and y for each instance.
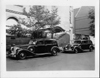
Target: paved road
(63, 61)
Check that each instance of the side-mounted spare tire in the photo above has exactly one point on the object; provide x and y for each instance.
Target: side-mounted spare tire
(31, 49)
(21, 55)
(54, 50)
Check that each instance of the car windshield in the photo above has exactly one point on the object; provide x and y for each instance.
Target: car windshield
(84, 41)
(32, 42)
(77, 41)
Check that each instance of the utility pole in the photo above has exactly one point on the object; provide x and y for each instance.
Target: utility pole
(71, 21)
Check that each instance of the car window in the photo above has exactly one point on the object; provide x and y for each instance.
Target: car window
(77, 41)
(90, 42)
(48, 42)
(54, 42)
(39, 42)
(85, 42)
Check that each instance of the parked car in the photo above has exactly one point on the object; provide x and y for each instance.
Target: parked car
(35, 47)
(79, 45)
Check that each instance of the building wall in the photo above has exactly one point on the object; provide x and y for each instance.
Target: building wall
(81, 20)
(14, 11)
(82, 26)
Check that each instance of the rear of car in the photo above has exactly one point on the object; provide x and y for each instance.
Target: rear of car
(87, 45)
(79, 45)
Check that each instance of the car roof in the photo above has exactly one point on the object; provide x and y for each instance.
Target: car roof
(45, 39)
(81, 40)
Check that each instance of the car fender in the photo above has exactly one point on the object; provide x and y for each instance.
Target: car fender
(30, 47)
(22, 50)
(54, 47)
(91, 46)
(75, 47)
(78, 47)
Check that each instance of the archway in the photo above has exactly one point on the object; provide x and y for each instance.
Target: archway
(14, 18)
(11, 21)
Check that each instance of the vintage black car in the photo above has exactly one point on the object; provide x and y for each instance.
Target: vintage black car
(79, 46)
(34, 47)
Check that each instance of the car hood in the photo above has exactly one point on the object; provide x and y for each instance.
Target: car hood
(74, 44)
(22, 46)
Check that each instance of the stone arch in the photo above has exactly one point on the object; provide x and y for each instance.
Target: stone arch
(14, 18)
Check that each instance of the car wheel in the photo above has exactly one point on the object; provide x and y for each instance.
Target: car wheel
(31, 49)
(54, 51)
(76, 50)
(90, 48)
(64, 49)
(21, 55)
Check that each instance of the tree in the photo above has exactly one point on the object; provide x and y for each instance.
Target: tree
(34, 15)
(92, 22)
(53, 19)
(41, 15)
(14, 30)
(17, 30)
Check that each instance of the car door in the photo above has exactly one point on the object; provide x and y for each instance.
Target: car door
(48, 45)
(84, 45)
(88, 44)
(40, 47)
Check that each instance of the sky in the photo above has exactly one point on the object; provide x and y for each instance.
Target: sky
(63, 12)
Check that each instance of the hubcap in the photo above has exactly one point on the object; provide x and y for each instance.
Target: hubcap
(76, 50)
(31, 49)
(54, 52)
(90, 48)
(22, 55)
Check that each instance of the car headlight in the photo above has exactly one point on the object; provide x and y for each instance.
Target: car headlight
(12, 48)
(17, 50)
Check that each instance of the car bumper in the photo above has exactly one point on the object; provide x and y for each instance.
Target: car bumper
(11, 55)
(68, 49)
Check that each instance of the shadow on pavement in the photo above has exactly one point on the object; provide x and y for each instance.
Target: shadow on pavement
(32, 57)
(72, 52)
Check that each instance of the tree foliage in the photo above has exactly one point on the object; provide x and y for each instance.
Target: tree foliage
(39, 16)
(42, 15)
(92, 22)
(53, 18)
(36, 17)
(18, 31)
(14, 30)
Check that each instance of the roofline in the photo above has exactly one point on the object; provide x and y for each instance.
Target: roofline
(78, 11)
(16, 12)
(44, 39)
(19, 5)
